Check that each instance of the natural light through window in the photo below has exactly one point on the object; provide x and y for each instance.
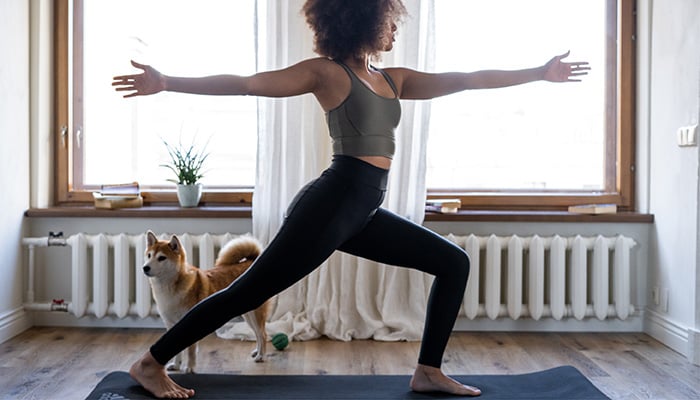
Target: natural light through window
(123, 137)
(540, 136)
(530, 138)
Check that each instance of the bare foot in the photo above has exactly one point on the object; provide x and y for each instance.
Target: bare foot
(431, 379)
(152, 376)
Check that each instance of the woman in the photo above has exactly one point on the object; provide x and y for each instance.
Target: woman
(340, 209)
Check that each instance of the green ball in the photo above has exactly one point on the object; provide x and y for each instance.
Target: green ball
(280, 341)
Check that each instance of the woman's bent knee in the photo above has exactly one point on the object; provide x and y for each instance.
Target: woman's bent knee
(458, 265)
(463, 266)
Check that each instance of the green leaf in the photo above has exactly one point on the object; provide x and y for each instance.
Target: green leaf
(186, 162)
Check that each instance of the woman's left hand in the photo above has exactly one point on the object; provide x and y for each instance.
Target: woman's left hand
(558, 71)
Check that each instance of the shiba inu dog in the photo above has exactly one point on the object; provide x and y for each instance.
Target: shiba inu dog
(177, 286)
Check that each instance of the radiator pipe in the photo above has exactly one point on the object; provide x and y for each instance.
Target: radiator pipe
(52, 306)
(30, 275)
(54, 239)
(46, 241)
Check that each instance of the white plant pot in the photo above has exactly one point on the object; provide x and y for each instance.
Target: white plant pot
(189, 195)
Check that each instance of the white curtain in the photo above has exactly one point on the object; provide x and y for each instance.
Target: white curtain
(347, 297)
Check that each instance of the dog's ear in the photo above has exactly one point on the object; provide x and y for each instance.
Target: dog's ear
(151, 238)
(175, 244)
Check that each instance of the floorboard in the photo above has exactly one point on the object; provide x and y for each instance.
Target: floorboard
(66, 363)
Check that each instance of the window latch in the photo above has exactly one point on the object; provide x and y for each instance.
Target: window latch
(79, 137)
(64, 133)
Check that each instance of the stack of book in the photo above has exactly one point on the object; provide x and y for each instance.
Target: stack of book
(443, 206)
(593, 209)
(123, 195)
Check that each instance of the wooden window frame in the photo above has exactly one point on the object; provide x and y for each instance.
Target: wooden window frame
(620, 119)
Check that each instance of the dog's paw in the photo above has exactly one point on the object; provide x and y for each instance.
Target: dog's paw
(257, 356)
(189, 370)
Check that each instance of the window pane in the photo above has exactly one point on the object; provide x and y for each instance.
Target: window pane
(538, 136)
(122, 137)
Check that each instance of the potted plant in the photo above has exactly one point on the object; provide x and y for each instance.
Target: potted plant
(186, 162)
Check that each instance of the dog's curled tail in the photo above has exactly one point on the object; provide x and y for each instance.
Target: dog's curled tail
(242, 248)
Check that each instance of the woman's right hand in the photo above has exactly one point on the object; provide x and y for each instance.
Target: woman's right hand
(150, 81)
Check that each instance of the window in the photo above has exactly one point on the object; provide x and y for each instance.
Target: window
(538, 146)
(116, 140)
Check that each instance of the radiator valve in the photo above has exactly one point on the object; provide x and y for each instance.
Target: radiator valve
(59, 305)
(56, 239)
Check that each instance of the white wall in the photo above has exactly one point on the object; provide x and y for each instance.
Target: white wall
(14, 159)
(674, 88)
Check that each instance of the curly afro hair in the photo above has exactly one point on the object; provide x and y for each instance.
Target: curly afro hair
(350, 28)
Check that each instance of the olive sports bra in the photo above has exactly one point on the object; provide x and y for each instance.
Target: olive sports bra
(364, 124)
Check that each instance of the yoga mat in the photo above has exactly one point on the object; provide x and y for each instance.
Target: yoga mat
(559, 383)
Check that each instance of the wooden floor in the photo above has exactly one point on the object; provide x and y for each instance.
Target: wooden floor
(66, 363)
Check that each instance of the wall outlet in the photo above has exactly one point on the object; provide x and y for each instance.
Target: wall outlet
(655, 295)
(687, 136)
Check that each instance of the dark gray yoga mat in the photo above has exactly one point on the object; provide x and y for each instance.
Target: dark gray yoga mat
(559, 383)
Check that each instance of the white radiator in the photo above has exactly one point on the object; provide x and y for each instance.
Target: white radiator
(513, 277)
(558, 277)
(122, 271)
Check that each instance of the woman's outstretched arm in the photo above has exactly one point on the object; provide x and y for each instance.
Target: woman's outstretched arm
(295, 80)
(421, 85)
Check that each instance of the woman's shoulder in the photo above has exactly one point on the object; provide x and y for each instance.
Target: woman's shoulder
(319, 62)
(319, 66)
(398, 74)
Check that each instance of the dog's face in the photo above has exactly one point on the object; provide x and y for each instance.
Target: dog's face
(164, 259)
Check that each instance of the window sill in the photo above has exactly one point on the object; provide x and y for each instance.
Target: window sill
(539, 216)
(142, 212)
(246, 212)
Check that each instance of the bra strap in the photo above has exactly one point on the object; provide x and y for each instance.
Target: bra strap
(381, 71)
(347, 69)
(389, 80)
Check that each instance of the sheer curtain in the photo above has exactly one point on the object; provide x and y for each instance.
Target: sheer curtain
(347, 297)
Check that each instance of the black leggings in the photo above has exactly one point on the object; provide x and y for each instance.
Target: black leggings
(339, 210)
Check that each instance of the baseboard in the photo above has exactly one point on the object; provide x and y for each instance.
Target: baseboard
(12, 323)
(694, 346)
(667, 332)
